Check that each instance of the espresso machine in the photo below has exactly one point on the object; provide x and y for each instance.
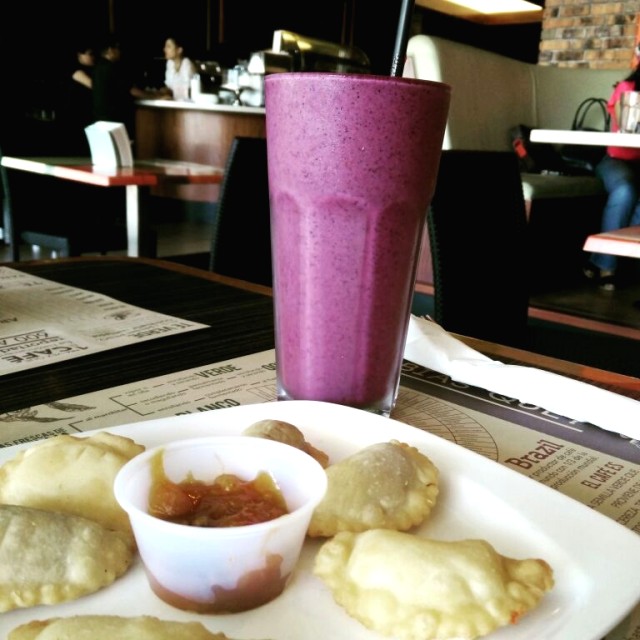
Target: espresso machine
(310, 54)
(293, 52)
(206, 82)
(243, 84)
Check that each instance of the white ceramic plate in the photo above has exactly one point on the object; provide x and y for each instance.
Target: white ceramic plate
(595, 560)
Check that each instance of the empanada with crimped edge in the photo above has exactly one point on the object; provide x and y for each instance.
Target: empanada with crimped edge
(414, 588)
(103, 627)
(48, 557)
(71, 474)
(388, 485)
(286, 433)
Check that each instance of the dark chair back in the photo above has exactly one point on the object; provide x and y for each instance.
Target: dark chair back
(478, 236)
(5, 199)
(241, 243)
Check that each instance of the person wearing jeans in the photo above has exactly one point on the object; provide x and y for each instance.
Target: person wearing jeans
(619, 171)
(621, 179)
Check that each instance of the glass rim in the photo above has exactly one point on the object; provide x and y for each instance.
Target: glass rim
(340, 76)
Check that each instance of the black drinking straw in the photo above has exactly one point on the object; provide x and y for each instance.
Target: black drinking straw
(402, 37)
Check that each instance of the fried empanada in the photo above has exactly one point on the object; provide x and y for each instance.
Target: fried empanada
(388, 485)
(96, 627)
(48, 557)
(71, 475)
(288, 434)
(419, 589)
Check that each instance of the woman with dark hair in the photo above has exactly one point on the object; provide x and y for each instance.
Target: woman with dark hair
(619, 171)
(179, 69)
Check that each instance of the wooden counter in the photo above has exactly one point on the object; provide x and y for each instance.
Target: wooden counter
(192, 132)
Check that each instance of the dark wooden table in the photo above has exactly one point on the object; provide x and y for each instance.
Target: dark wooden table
(241, 323)
(240, 319)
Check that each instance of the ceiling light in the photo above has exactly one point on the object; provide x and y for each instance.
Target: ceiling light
(487, 11)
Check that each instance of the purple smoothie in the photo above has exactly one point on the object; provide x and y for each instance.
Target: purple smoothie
(352, 166)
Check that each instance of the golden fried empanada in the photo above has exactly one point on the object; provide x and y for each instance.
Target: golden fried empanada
(71, 475)
(388, 485)
(288, 434)
(96, 627)
(419, 589)
(48, 557)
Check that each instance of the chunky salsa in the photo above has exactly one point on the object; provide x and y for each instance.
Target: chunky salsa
(228, 501)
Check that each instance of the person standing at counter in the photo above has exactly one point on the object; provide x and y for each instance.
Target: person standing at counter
(75, 107)
(619, 171)
(83, 68)
(179, 70)
(114, 88)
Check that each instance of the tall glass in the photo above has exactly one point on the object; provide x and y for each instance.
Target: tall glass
(353, 161)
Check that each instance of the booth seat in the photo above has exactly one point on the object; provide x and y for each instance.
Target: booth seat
(491, 94)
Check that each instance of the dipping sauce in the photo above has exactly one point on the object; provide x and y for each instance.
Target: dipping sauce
(254, 589)
(228, 501)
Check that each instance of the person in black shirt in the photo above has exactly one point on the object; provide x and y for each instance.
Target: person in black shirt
(74, 105)
(114, 88)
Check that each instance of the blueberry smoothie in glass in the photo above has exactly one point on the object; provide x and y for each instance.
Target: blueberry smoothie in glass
(353, 161)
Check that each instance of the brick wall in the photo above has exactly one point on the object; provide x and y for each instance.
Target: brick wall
(589, 33)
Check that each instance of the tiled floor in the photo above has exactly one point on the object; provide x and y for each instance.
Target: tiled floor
(174, 239)
(620, 307)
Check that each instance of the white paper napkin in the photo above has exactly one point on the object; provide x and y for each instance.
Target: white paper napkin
(429, 345)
